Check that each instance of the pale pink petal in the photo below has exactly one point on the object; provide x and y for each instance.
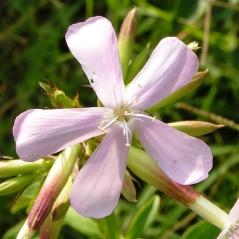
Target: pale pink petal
(97, 187)
(185, 159)
(234, 212)
(39, 133)
(94, 44)
(171, 65)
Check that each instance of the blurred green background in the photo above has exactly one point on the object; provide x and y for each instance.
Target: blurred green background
(33, 49)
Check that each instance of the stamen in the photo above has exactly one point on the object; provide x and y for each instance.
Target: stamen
(126, 132)
(108, 124)
(139, 115)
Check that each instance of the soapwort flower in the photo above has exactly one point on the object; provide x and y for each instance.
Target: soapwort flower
(96, 189)
(231, 230)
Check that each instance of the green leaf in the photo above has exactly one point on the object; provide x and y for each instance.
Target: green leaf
(81, 224)
(201, 230)
(181, 92)
(12, 232)
(143, 218)
(110, 227)
(137, 63)
(27, 196)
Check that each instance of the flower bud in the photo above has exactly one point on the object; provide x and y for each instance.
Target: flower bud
(15, 184)
(193, 46)
(9, 168)
(126, 39)
(58, 98)
(195, 128)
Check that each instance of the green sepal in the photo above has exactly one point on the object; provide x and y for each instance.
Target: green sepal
(181, 92)
(143, 218)
(128, 189)
(15, 184)
(195, 128)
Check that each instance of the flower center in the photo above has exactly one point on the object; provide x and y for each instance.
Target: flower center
(122, 116)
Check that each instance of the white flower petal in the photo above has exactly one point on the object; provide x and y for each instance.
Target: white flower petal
(97, 187)
(94, 44)
(171, 65)
(39, 133)
(183, 158)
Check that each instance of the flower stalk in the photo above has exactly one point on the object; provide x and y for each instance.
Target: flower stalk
(55, 181)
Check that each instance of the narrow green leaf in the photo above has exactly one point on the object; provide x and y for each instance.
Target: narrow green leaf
(12, 232)
(200, 230)
(143, 218)
(137, 63)
(110, 227)
(81, 224)
(181, 92)
(27, 196)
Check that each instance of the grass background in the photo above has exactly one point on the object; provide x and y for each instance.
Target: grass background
(33, 49)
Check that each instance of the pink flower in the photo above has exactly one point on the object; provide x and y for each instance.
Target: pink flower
(231, 230)
(97, 188)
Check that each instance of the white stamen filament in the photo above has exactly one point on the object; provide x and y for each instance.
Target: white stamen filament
(139, 115)
(108, 124)
(122, 116)
(126, 132)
